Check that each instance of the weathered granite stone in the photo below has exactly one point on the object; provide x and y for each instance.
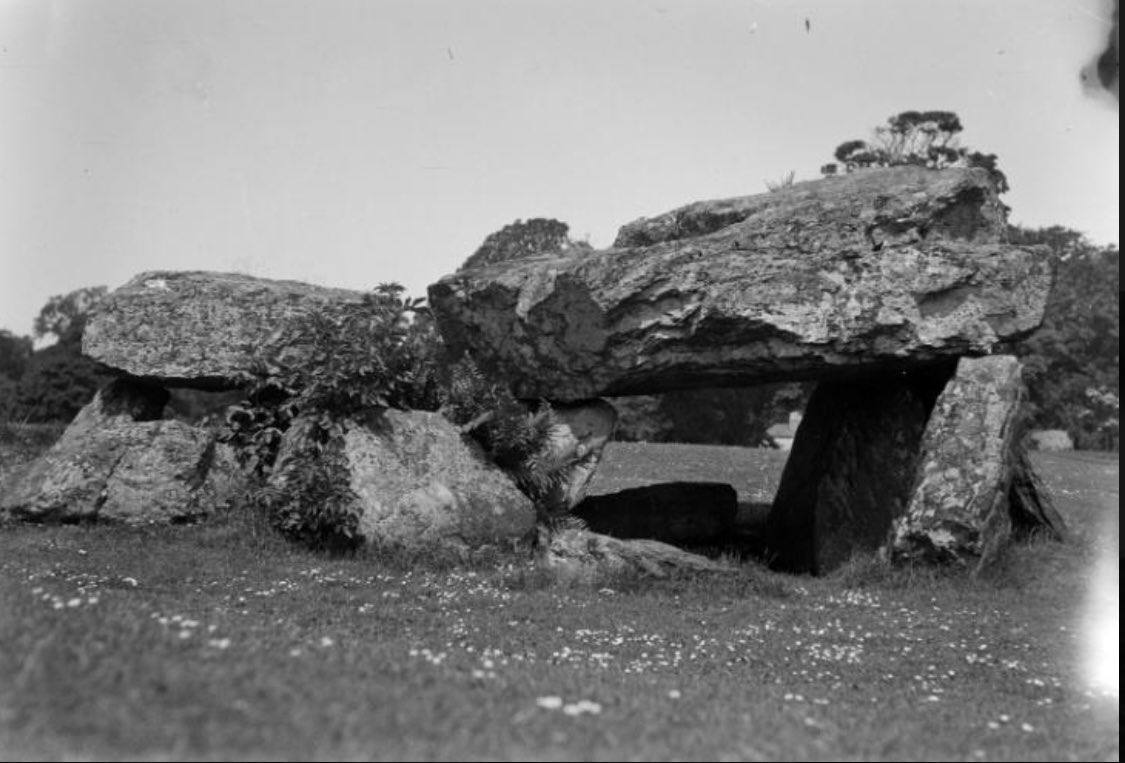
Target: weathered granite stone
(832, 279)
(581, 556)
(671, 512)
(901, 205)
(418, 483)
(196, 328)
(961, 507)
(110, 465)
(851, 469)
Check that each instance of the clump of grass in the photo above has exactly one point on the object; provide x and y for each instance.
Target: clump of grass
(870, 569)
(786, 181)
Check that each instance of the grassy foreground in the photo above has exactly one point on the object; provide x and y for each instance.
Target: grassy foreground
(222, 641)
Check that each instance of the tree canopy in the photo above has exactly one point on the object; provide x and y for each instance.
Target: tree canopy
(53, 383)
(920, 138)
(1072, 362)
(539, 235)
(64, 316)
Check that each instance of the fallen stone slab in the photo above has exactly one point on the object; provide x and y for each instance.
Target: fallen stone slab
(973, 484)
(850, 471)
(116, 461)
(580, 556)
(196, 329)
(823, 281)
(670, 512)
(417, 483)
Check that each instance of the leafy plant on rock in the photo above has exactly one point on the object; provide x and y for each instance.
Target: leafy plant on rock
(514, 436)
(312, 503)
(322, 369)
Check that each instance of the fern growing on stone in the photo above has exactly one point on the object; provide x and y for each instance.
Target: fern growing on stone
(515, 437)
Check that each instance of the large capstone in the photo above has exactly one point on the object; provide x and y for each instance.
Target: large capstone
(832, 279)
(197, 329)
(116, 461)
(973, 484)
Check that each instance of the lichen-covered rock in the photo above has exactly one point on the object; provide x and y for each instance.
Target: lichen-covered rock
(671, 512)
(417, 483)
(850, 471)
(580, 556)
(960, 508)
(115, 462)
(879, 272)
(901, 205)
(196, 328)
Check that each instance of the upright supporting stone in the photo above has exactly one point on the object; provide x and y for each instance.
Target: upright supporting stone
(118, 461)
(850, 471)
(972, 480)
(578, 441)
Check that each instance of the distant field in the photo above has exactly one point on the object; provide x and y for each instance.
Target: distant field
(753, 472)
(222, 641)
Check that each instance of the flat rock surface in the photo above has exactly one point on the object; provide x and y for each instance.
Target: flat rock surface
(196, 328)
(829, 279)
(896, 205)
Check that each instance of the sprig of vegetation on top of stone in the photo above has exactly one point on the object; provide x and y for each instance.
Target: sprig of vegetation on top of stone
(339, 364)
(920, 138)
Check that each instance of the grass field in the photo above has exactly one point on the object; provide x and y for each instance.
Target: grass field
(222, 641)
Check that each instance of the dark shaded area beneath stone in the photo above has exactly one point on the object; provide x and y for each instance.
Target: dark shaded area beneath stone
(671, 512)
(138, 399)
(674, 379)
(851, 469)
(193, 406)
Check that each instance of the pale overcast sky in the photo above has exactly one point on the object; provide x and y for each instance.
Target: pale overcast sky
(349, 143)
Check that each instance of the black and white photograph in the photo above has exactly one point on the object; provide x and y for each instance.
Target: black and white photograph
(550, 380)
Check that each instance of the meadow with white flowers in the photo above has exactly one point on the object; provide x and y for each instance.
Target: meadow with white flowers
(223, 641)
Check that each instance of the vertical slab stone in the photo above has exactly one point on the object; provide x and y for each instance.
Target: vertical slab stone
(578, 441)
(972, 479)
(851, 469)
